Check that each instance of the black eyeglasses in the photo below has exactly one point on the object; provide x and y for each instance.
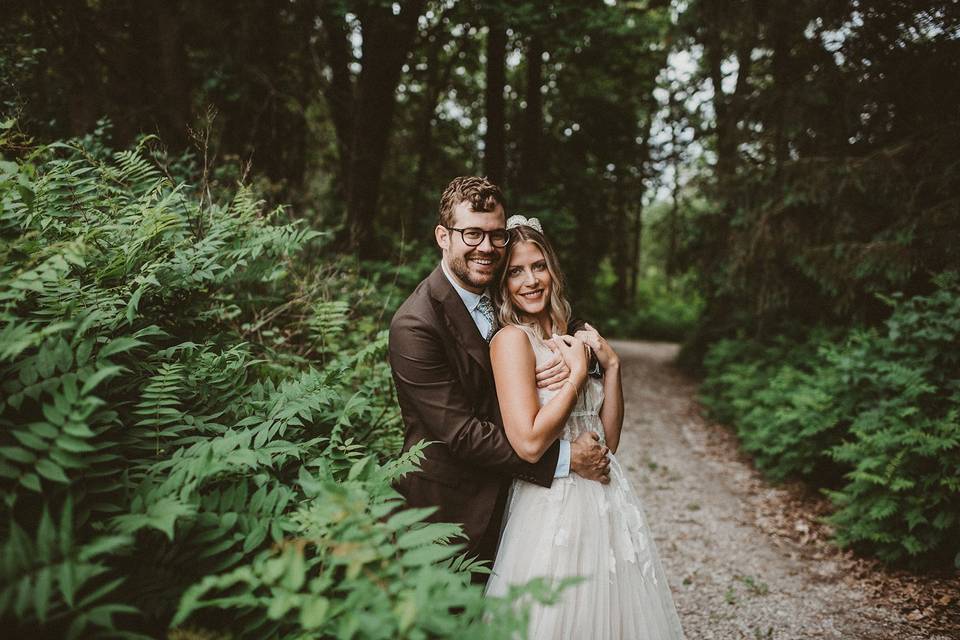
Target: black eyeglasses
(473, 237)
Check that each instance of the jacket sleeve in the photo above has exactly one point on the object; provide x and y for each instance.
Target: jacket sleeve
(428, 387)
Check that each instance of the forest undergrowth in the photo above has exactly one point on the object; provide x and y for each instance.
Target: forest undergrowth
(869, 415)
(197, 423)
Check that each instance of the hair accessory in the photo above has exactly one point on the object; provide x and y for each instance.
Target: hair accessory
(518, 220)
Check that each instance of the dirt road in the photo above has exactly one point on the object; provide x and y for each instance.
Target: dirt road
(731, 578)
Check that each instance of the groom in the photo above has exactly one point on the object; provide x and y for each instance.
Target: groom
(441, 368)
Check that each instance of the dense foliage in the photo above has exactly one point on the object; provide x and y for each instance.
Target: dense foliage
(196, 429)
(756, 176)
(832, 140)
(874, 415)
(360, 112)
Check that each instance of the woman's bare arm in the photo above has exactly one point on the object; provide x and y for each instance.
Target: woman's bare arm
(530, 428)
(611, 413)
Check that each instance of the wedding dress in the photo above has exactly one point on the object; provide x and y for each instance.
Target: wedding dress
(580, 527)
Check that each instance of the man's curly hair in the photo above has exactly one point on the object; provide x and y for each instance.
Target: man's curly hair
(482, 195)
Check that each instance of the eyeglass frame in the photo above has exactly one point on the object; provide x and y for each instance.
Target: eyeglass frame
(505, 231)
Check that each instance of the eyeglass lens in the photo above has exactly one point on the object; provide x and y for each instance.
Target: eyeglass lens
(473, 237)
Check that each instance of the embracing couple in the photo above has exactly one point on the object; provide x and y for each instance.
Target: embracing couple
(524, 409)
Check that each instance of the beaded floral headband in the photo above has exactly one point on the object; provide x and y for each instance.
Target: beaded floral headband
(519, 220)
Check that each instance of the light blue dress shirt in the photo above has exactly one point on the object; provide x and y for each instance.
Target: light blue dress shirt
(471, 301)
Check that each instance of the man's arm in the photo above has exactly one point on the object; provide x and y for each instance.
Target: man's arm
(427, 385)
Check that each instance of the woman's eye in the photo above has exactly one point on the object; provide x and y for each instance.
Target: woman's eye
(540, 266)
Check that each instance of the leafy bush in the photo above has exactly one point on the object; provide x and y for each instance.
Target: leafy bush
(195, 428)
(874, 415)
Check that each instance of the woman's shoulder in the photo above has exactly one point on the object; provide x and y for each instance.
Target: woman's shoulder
(511, 344)
(511, 338)
(510, 335)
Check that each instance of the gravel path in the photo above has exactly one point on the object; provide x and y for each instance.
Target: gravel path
(731, 579)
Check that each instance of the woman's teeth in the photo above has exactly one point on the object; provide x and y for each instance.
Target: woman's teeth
(532, 294)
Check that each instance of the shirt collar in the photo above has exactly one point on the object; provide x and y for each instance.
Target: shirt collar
(470, 299)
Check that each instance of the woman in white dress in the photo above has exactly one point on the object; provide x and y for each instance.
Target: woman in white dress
(577, 527)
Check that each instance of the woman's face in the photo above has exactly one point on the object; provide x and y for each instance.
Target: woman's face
(528, 279)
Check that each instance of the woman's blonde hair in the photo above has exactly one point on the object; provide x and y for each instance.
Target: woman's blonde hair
(559, 308)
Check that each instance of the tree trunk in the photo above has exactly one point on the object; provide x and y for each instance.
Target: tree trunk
(85, 105)
(621, 247)
(174, 91)
(381, 66)
(438, 79)
(494, 154)
(729, 108)
(363, 115)
(636, 249)
(532, 122)
(339, 92)
(672, 221)
(782, 87)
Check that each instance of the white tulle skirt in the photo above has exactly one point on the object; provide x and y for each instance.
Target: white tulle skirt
(579, 527)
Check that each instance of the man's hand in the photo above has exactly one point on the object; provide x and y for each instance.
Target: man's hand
(588, 458)
(552, 373)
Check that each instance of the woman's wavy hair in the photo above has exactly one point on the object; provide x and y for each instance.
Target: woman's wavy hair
(559, 308)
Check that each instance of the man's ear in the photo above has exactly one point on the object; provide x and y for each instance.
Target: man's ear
(442, 235)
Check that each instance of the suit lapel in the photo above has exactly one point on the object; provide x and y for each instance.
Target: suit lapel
(458, 320)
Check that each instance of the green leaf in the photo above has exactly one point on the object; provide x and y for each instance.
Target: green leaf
(134, 303)
(18, 454)
(428, 555)
(46, 537)
(103, 545)
(296, 572)
(41, 593)
(427, 535)
(119, 345)
(162, 514)
(28, 439)
(314, 613)
(67, 579)
(408, 517)
(66, 526)
(51, 471)
(30, 481)
(99, 376)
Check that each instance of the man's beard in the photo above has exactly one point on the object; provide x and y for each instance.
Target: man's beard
(461, 269)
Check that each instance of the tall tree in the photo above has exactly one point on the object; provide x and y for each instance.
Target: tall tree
(531, 131)
(494, 142)
(363, 106)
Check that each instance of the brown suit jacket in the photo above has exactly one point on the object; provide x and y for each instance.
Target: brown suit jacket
(441, 368)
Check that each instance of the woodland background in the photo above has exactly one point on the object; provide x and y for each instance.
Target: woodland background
(210, 210)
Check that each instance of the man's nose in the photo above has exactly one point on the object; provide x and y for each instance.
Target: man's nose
(486, 244)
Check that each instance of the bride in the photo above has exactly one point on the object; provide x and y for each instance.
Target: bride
(576, 527)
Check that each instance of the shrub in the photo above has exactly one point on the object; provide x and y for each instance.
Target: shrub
(902, 498)
(194, 428)
(872, 415)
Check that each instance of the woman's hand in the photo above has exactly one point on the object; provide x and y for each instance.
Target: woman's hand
(606, 356)
(574, 353)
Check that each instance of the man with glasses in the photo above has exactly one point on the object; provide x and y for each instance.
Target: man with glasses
(441, 368)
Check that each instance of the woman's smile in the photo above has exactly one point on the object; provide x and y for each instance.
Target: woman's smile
(529, 281)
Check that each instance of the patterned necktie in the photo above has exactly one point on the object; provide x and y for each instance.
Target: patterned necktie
(486, 309)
